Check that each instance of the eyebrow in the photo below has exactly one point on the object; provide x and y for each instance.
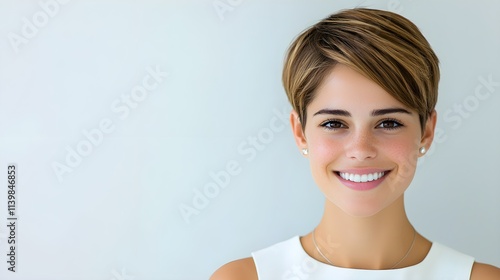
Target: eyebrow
(377, 112)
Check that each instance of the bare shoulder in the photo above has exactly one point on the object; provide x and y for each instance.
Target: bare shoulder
(243, 269)
(481, 271)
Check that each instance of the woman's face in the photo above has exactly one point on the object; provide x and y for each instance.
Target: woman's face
(362, 143)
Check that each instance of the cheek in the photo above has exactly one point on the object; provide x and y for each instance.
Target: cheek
(324, 150)
(403, 147)
(405, 154)
(401, 151)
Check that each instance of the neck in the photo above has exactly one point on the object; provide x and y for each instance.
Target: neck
(375, 242)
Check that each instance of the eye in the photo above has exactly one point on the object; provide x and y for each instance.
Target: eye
(390, 124)
(333, 125)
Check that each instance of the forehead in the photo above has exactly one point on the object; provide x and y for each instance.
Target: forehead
(345, 88)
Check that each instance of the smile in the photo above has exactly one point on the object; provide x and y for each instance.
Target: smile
(361, 178)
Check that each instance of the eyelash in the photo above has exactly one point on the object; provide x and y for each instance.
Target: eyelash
(398, 124)
(394, 121)
(330, 121)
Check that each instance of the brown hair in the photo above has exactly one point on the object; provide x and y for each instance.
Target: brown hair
(383, 46)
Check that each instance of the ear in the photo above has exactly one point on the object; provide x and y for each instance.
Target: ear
(298, 133)
(428, 133)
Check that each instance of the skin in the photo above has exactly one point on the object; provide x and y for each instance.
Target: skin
(379, 232)
(360, 229)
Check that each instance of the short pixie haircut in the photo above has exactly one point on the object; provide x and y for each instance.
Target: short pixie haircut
(383, 46)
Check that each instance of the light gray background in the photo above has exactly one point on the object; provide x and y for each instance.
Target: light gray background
(116, 215)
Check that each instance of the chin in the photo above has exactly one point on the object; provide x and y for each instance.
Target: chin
(363, 207)
(361, 211)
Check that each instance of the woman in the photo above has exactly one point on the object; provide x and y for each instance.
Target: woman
(363, 86)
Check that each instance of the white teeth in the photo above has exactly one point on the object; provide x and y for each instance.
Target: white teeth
(361, 178)
(370, 177)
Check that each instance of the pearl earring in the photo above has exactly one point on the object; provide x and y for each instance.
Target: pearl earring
(305, 151)
(422, 150)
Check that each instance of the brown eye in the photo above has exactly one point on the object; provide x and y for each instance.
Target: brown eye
(390, 124)
(333, 125)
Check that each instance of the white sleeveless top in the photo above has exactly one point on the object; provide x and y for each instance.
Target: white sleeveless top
(287, 260)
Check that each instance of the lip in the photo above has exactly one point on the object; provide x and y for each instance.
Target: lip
(362, 171)
(362, 186)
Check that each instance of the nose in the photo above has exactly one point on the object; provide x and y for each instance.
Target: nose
(361, 146)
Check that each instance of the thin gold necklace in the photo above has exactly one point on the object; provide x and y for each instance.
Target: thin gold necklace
(404, 257)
